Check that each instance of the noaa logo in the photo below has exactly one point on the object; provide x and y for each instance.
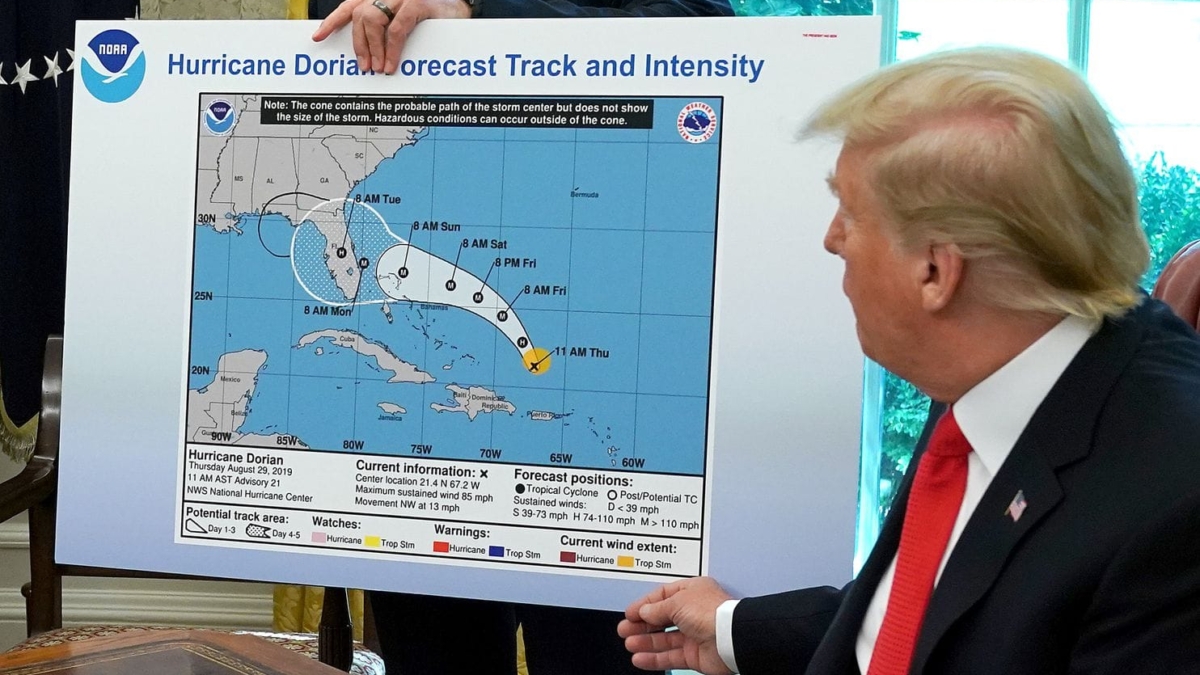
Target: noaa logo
(218, 117)
(697, 122)
(114, 66)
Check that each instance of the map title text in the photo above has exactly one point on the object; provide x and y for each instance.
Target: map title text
(515, 65)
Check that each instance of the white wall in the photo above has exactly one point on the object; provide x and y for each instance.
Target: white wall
(14, 571)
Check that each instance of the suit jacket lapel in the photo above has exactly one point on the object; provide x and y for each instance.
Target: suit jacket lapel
(836, 653)
(1059, 433)
(984, 546)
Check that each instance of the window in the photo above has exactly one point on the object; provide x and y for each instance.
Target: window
(1137, 54)
(1136, 48)
(927, 25)
(802, 7)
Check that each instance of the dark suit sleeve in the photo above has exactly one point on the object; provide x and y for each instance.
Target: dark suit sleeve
(779, 633)
(540, 9)
(1145, 614)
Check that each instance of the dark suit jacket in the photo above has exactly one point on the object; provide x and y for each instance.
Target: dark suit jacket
(540, 9)
(1101, 574)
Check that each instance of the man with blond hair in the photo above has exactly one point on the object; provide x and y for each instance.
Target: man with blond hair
(988, 222)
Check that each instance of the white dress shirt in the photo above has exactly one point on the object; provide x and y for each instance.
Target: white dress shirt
(992, 416)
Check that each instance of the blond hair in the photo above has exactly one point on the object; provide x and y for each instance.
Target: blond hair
(1009, 156)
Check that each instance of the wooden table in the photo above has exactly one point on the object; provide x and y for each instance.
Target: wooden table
(169, 652)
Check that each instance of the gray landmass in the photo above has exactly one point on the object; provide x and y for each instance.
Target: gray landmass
(343, 269)
(274, 174)
(220, 407)
(401, 370)
(271, 440)
(391, 408)
(474, 401)
(256, 163)
(545, 415)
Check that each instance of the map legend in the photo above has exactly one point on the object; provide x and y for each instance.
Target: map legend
(314, 505)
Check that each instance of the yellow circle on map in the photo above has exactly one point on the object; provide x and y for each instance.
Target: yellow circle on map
(537, 360)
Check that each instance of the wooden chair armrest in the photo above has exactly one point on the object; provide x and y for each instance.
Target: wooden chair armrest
(28, 488)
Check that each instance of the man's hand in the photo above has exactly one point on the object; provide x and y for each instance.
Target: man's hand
(378, 39)
(691, 606)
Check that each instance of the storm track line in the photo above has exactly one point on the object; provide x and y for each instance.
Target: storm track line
(263, 211)
(399, 266)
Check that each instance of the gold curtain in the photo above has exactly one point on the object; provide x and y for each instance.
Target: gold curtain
(522, 667)
(298, 609)
(16, 442)
(297, 9)
(217, 9)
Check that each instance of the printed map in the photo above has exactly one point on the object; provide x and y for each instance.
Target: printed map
(528, 294)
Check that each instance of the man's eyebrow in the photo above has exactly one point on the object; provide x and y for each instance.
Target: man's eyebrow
(831, 181)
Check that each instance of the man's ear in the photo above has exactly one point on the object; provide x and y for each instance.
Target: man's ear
(942, 276)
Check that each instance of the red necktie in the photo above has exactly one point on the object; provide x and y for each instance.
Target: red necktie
(933, 503)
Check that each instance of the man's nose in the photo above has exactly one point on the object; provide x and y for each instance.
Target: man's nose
(833, 237)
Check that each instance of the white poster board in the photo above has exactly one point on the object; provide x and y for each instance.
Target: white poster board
(545, 318)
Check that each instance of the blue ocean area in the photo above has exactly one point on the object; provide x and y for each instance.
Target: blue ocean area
(601, 243)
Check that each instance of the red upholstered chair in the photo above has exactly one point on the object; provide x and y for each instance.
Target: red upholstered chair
(1179, 284)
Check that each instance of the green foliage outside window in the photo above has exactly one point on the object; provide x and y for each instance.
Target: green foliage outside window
(904, 412)
(1170, 201)
(1169, 195)
(803, 7)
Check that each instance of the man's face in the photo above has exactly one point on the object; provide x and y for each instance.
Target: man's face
(881, 279)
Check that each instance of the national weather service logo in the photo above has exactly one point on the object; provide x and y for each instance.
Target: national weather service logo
(114, 66)
(218, 117)
(697, 122)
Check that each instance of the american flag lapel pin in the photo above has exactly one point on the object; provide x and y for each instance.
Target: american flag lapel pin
(1017, 506)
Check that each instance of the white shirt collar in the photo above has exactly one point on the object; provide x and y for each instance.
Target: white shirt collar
(994, 412)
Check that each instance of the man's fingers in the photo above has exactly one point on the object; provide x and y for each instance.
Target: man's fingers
(672, 660)
(379, 37)
(375, 31)
(659, 613)
(627, 628)
(658, 641)
(360, 46)
(656, 650)
(397, 35)
(337, 18)
(634, 611)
